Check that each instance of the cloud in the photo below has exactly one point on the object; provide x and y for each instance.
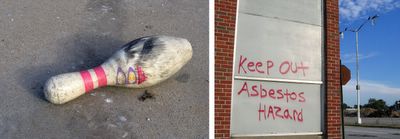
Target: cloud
(351, 57)
(372, 87)
(354, 9)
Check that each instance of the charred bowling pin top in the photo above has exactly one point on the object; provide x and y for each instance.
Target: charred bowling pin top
(140, 63)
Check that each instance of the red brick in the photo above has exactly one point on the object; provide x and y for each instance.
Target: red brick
(225, 14)
(333, 123)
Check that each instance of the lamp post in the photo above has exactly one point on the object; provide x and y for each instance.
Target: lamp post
(356, 30)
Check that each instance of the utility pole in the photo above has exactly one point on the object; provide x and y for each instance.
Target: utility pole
(372, 19)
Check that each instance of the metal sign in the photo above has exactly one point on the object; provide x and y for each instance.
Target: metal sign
(345, 74)
(278, 68)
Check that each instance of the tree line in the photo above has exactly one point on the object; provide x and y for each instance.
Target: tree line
(374, 108)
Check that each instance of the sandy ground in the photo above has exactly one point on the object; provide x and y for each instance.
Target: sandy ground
(39, 39)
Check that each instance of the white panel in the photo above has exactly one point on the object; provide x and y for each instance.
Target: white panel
(262, 39)
(305, 11)
(246, 105)
(287, 33)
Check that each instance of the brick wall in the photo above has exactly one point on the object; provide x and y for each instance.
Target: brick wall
(332, 51)
(225, 18)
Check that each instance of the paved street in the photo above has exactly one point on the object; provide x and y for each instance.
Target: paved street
(353, 132)
(40, 39)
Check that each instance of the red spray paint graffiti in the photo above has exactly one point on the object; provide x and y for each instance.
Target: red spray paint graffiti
(275, 112)
(257, 90)
(265, 67)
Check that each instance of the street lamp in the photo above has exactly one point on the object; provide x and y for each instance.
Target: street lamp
(356, 30)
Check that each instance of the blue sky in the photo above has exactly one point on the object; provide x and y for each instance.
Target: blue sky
(379, 49)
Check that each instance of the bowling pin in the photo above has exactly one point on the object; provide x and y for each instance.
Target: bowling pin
(140, 63)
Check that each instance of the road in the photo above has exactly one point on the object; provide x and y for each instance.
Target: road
(353, 132)
(40, 39)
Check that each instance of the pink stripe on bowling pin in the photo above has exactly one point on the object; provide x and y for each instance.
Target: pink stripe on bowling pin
(87, 80)
(101, 76)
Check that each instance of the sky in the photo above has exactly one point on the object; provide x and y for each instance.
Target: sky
(379, 49)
